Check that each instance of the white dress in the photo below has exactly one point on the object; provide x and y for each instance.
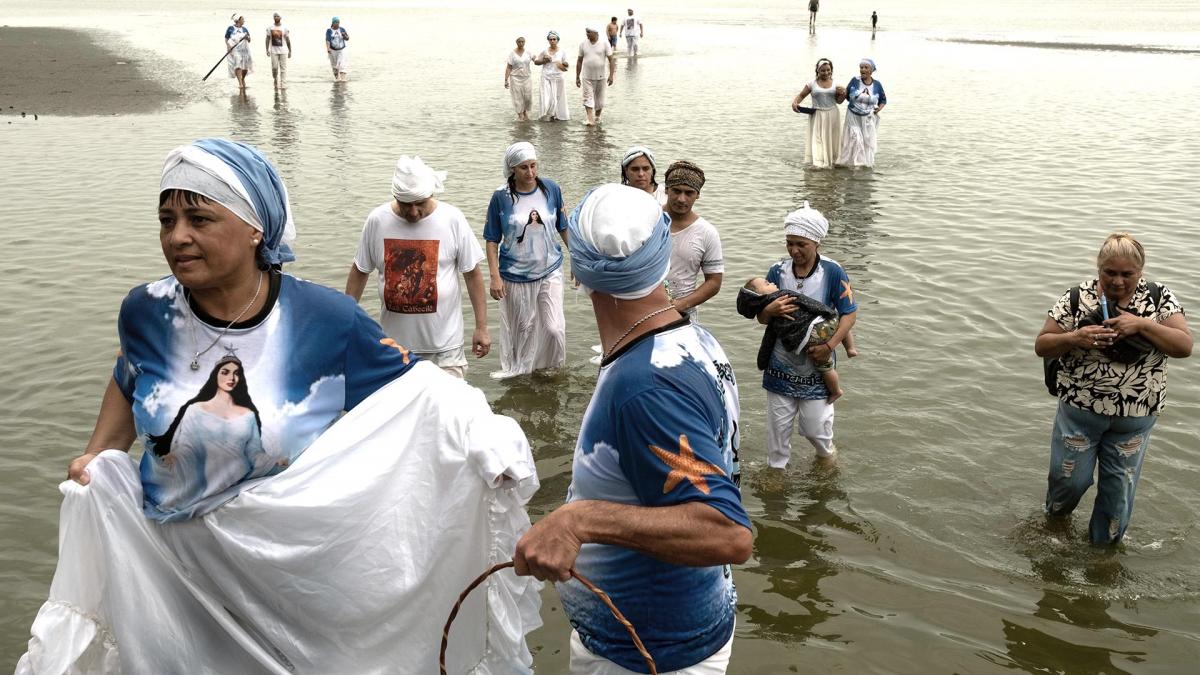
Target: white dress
(860, 135)
(554, 88)
(239, 58)
(520, 84)
(824, 128)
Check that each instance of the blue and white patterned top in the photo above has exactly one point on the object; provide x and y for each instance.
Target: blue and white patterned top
(661, 430)
(789, 373)
(311, 355)
(527, 231)
(863, 98)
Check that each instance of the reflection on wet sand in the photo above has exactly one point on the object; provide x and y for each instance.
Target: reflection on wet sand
(286, 130)
(792, 551)
(243, 117)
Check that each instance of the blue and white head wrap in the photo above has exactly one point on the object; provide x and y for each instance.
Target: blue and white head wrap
(240, 178)
(552, 34)
(868, 62)
(620, 242)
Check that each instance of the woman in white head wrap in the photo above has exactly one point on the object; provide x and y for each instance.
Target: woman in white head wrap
(639, 169)
(517, 80)
(525, 259)
(237, 39)
(796, 394)
(554, 89)
(824, 125)
(860, 134)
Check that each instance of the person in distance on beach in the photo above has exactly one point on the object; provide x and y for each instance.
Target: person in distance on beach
(240, 60)
(595, 57)
(517, 79)
(336, 38)
(279, 50)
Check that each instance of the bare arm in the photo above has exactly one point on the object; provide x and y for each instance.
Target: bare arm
(800, 97)
(356, 281)
(507, 72)
(1171, 337)
(114, 430)
(481, 340)
(493, 257)
(578, 68)
(692, 534)
(612, 67)
(288, 40)
(706, 290)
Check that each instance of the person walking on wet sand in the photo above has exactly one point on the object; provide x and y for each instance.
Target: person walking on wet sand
(610, 31)
(813, 6)
(874, 23)
(237, 40)
(595, 57)
(336, 38)
(630, 24)
(279, 50)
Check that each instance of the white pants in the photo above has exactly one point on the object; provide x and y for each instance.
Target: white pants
(815, 421)
(593, 94)
(279, 66)
(584, 662)
(554, 99)
(631, 42)
(453, 361)
(522, 93)
(533, 331)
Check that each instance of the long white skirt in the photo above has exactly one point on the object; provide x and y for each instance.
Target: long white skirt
(347, 562)
(522, 93)
(240, 59)
(533, 332)
(554, 99)
(339, 60)
(824, 135)
(859, 140)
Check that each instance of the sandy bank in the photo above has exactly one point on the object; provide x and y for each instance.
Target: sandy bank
(57, 71)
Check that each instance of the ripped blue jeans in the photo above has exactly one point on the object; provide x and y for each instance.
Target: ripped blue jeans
(1083, 440)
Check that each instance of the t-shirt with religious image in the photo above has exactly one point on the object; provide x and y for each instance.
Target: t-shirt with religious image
(661, 430)
(218, 407)
(695, 249)
(595, 59)
(1091, 380)
(419, 265)
(519, 65)
(527, 230)
(277, 39)
(336, 37)
(631, 23)
(793, 373)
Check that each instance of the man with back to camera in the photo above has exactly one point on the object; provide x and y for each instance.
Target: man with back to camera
(653, 513)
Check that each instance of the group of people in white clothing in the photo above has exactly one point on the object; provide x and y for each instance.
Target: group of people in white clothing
(595, 69)
(830, 143)
(278, 43)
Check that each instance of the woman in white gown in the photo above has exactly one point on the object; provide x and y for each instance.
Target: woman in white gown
(517, 80)
(860, 135)
(237, 39)
(554, 92)
(824, 125)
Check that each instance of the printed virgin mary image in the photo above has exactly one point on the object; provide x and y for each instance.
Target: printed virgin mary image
(214, 442)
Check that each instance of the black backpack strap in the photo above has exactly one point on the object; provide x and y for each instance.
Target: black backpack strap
(1074, 302)
(1155, 294)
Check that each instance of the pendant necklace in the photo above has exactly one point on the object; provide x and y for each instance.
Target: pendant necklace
(195, 364)
(631, 329)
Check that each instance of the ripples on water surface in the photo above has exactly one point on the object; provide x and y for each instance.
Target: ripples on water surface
(1001, 170)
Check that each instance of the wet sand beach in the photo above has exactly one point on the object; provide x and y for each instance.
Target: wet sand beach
(58, 71)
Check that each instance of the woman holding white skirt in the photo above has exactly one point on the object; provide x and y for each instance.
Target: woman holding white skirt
(824, 126)
(517, 80)
(859, 136)
(554, 92)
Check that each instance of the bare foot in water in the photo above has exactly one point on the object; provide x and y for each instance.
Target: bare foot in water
(835, 396)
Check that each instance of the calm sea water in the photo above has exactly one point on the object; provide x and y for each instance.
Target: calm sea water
(1001, 169)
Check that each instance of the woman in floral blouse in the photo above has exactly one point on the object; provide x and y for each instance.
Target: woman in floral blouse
(1112, 383)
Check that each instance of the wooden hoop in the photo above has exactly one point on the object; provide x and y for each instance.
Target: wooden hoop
(637, 641)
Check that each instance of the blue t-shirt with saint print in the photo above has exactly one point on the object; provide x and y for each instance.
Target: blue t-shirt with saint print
(660, 430)
(793, 373)
(527, 230)
(260, 394)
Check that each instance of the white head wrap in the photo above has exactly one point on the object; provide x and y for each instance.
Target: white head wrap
(592, 29)
(620, 242)
(517, 153)
(414, 181)
(806, 222)
(868, 62)
(235, 17)
(638, 151)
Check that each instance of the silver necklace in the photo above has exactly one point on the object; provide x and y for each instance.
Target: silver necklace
(195, 364)
(631, 329)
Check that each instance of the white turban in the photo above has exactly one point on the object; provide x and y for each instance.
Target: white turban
(806, 222)
(519, 152)
(620, 242)
(638, 151)
(414, 181)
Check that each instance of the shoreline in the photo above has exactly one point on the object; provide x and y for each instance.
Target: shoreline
(67, 72)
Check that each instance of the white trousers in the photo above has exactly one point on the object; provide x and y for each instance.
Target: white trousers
(584, 662)
(279, 66)
(815, 421)
(554, 99)
(522, 93)
(533, 331)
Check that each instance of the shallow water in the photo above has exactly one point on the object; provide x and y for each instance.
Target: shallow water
(1003, 164)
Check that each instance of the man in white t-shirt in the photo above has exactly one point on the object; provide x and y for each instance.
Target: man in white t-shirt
(595, 59)
(628, 26)
(695, 244)
(279, 50)
(419, 246)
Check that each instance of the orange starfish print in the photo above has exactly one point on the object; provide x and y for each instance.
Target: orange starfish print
(846, 292)
(389, 342)
(685, 466)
